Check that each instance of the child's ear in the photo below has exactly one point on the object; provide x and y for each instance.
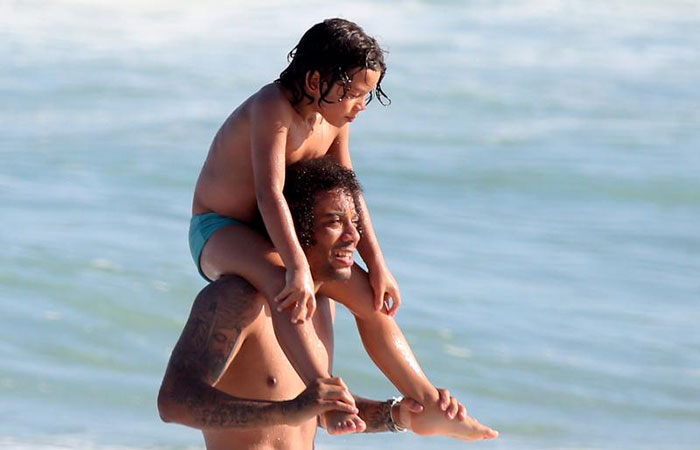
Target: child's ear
(313, 81)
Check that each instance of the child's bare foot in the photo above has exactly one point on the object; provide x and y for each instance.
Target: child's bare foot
(433, 421)
(338, 422)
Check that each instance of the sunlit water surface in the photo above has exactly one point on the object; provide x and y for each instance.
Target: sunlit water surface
(535, 185)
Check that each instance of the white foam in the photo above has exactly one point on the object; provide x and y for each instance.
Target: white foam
(105, 264)
(81, 28)
(459, 352)
(52, 316)
(104, 24)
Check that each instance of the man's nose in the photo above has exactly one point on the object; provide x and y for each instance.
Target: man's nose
(350, 233)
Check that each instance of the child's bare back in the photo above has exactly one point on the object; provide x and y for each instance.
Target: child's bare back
(226, 184)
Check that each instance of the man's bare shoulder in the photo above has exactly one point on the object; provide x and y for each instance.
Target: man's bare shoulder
(233, 298)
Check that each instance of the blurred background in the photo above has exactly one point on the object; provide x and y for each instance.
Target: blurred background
(535, 186)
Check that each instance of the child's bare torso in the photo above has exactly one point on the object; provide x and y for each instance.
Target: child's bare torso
(226, 184)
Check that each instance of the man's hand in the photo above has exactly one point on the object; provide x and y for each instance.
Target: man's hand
(408, 407)
(451, 406)
(298, 292)
(385, 287)
(323, 394)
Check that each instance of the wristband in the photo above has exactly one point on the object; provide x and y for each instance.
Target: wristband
(391, 423)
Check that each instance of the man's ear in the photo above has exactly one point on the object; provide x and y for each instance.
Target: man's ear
(312, 84)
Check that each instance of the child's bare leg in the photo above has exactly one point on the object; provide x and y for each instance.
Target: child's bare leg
(240, 250)
(387, 346)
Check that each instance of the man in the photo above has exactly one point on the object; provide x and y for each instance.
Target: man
(228, 375)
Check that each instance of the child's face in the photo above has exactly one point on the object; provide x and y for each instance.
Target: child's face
(342, 106)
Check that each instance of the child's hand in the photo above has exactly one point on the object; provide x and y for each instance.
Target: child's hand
(385, 287)
(298, 291)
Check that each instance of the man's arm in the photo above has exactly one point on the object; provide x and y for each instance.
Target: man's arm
(379, 416)
(212, 336)
(375, 414)
(396, 415)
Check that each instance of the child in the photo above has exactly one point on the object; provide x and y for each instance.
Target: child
(335, 70)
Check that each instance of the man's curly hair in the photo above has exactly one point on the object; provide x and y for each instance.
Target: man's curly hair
(304, 180)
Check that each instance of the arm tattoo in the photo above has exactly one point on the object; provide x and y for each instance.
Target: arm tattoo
(375, 414)
(212, 409)
(210, 338)
(298, 404)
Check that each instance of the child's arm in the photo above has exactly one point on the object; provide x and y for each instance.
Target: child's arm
(269, 126)
(384, 285)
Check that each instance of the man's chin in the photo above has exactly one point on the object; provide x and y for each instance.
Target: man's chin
(332, 273)
(342, 274)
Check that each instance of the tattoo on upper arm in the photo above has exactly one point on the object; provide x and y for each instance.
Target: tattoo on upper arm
(220, 313)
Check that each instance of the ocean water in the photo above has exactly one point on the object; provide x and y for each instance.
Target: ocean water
(535, 185)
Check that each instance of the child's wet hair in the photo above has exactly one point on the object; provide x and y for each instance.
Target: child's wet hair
(333, 48)
(306, 179)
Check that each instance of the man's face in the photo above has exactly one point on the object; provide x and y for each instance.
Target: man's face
(335, 235)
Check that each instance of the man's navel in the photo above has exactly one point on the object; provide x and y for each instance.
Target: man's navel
(271, 381)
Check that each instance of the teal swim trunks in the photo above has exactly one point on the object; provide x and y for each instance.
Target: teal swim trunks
(202, 226)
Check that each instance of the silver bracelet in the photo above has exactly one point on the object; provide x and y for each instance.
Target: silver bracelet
(391, 423)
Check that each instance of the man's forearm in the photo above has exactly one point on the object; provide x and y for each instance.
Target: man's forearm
(212, 336)
(194, 403)
(377, 415)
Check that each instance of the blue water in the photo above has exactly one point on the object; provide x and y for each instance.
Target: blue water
(535, 185)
